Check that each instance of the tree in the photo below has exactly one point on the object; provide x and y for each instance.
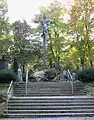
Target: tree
(5, 27)
(24, 47)
(72, 40)
(56, 33)
(81, 29)
(20, 48)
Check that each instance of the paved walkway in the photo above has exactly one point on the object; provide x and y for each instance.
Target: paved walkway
(59, 118)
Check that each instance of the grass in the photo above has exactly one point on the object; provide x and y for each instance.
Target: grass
(2, 108)
(90, 89)
(3, 88)
(3, 91)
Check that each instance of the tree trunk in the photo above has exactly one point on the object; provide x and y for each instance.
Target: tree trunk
(91, 63)
(51, 47)
(15, 65)
(23, 68)
(82, 63)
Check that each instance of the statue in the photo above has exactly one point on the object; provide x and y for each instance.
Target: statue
(20, 73)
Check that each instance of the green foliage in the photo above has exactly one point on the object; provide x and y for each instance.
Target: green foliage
(49, 75)
(86, 75)
(3, 8)
(5, 27)
(80, 28)
(15, 65)
(70, 43)
(21, 45)
(56, 32)
(25, 48)
(6, 76)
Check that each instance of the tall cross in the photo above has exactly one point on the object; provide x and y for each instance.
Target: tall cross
(44, 22)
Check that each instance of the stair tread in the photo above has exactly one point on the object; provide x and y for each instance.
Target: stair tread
(53, 106)
(39, 114)
(55, 97)
(69, 110)
(18, 101)
(43, 103)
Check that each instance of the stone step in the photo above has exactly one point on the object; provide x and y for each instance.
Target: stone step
(52, 111)
(42, 89)
(28, 95)
(49, 83)
(47, 87)
(48, 91)
(48, 115)
(51, 101)
(49, 94)
(45, 90)
(40, 92)
(50, 104)
(41, 84)
(54, 97)
(50, 107)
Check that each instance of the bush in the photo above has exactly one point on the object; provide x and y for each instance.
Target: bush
(86, 75)
(49, 75)
(6, 76)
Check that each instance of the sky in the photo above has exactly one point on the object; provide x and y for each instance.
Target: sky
(26, 9)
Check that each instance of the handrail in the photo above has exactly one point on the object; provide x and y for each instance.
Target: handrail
(70, 76)
(9, 89)
(71, 79)
(9, 93)
(26, 84)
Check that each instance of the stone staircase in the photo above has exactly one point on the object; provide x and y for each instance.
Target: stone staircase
(49, 89)
(50, 106)
(49, 99)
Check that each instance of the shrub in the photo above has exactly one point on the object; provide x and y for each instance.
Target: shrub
(6, 76)
(49, 75)
(86, 75)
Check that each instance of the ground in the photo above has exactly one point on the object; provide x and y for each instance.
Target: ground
(90, 89)
(3, 91)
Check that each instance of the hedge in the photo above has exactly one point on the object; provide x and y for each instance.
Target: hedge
(86, 75)
(6, 76)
